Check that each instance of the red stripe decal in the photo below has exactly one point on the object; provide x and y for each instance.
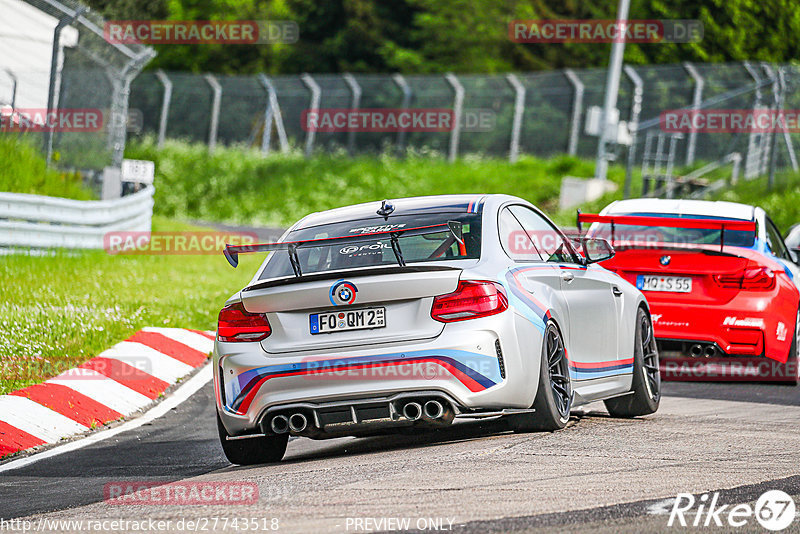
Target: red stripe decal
(170, 347)
(69, 403)
(530, 296)
(471, 384)
(128, 376)
(12, 439)
(593, 365)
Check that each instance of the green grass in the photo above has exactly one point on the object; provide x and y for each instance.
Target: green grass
(59, 311)
(782, 203)
(24, 171)
(238, 185)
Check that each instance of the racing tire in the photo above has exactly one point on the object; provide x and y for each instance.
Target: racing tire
(252, 451)
(554, 395)
(646, 383)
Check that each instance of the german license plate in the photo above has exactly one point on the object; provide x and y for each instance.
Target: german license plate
(673, 284)
(342, 321)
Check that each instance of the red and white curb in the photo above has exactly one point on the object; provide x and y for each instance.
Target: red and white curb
(118, 382)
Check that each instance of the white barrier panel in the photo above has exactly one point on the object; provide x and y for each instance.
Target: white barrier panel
(35, 221)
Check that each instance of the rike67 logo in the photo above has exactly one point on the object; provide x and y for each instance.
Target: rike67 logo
(774, 510)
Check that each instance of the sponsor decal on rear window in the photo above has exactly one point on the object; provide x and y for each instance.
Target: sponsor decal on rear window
(374, 229)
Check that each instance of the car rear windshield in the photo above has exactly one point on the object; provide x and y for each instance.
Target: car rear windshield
(668, 234)
(440, 246)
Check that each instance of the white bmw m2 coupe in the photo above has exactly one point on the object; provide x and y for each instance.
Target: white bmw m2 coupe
(416, 312)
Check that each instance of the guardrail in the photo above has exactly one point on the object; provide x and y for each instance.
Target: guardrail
(35, 221)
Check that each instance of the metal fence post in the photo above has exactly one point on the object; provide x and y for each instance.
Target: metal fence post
(165, 102)
(778, 94)
(316, 92)
(458, 109)
(777, 106)
(407, 95)
(753, 158)
(272, 112)
(697, 100)
(355, 103)
(519, 109)
(13, 88)
(128, 73)
(52, 97)
(787, 138)
(577, 106)
(633, 124)
(215, 105)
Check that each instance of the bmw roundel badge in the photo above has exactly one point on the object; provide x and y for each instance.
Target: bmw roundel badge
(343, 292)
(665, 260)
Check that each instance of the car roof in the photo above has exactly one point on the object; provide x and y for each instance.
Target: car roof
(402, 206)
(716, 209)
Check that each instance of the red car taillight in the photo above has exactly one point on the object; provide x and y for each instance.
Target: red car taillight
(754, 279)
(237, 324)
(470, 301)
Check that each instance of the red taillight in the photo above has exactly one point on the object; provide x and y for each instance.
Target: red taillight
(470, 301)
(237, 324)
(753, 279)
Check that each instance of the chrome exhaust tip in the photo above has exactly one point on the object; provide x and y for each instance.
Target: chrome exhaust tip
(711, 351)
(279, 424)
(433, 409)
(297, 422)
(697, 350)
(412, 411)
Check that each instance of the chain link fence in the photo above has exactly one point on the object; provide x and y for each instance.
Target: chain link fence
(540, 113)
(82, 71)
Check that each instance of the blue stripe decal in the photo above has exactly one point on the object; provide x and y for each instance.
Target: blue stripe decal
(521, 302)
(594, 373)
(482, 368)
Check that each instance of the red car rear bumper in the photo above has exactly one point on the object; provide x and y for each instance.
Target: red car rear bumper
(734, 342)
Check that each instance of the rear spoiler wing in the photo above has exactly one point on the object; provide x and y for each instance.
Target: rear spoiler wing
(232, 252)
(672, 222)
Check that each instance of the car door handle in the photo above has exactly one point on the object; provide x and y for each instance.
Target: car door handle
(568, 277)
(617, 291)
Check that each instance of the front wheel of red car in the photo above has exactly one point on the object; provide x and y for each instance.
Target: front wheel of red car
(646, 388)
(252, 451)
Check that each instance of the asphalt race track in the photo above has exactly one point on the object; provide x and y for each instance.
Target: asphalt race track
(599, 474)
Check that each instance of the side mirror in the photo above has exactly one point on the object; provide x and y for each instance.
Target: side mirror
(595, 249)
